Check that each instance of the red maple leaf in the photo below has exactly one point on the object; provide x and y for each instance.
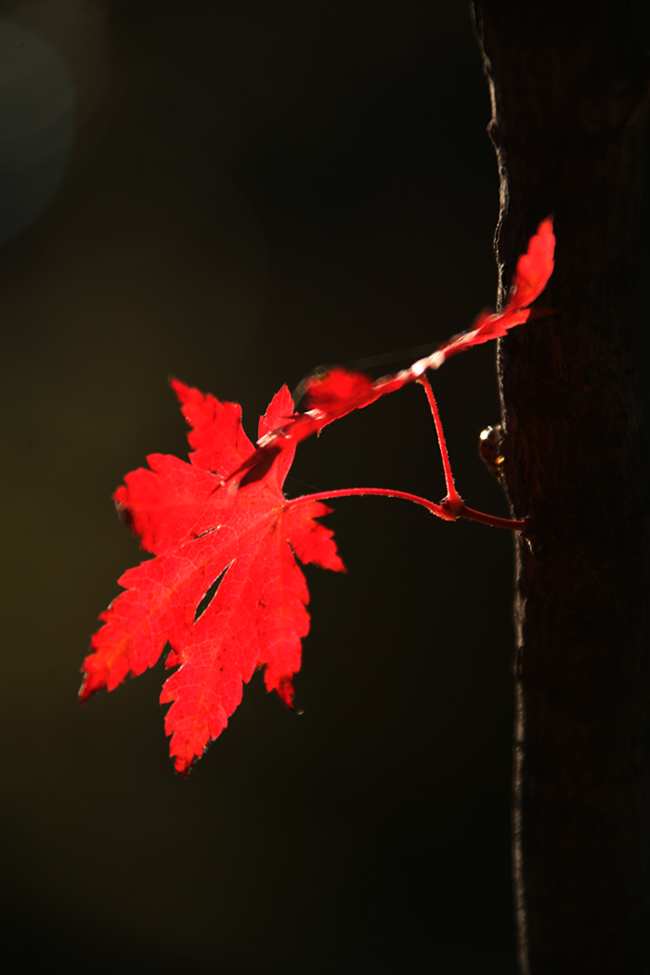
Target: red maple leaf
(205, 529)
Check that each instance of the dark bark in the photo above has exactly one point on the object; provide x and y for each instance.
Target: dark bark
(569, 87)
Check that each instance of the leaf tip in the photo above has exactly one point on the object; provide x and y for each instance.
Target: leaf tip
(89, 686)
(284, 687)
(124, 512)
(181, 389)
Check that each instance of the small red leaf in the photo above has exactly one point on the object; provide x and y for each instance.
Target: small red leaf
(533, 271)
(339, 389)
(534, 268)
(203, 527)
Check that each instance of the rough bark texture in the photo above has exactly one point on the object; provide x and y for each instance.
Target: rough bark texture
(569, 89)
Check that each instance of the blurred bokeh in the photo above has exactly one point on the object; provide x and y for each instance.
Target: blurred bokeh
(234, 193)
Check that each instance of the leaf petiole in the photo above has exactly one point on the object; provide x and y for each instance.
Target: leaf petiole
(443, 510)
(436, 509)
(453, 500)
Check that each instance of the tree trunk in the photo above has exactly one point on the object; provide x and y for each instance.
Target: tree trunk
(569, 94)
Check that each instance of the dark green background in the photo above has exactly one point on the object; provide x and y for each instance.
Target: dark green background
(256, 188)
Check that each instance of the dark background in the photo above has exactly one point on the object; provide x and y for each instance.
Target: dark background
(233, 193)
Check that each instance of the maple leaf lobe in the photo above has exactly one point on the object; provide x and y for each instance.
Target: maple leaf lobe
(217, 435)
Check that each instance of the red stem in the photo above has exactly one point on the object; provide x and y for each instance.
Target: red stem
(452, 494)
(493, 520)
(435, 509)
(444, 510)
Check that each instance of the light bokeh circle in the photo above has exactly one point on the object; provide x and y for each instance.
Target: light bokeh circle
(37, 124)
